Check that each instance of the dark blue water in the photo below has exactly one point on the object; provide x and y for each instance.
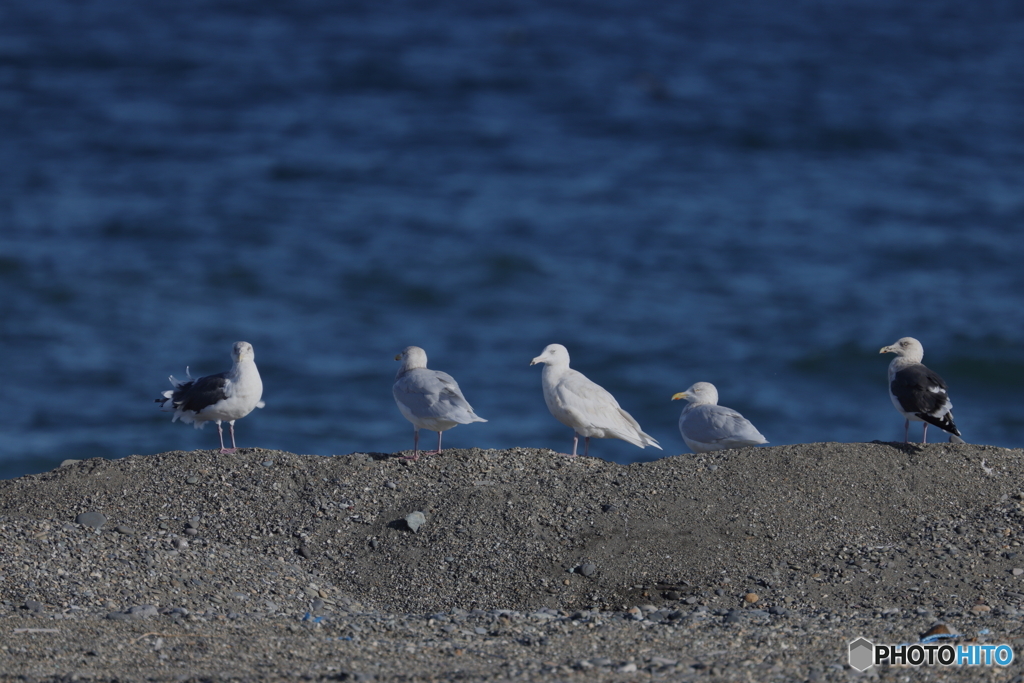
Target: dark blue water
(755, 195)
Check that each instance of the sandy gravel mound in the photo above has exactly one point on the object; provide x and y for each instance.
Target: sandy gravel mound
(752, 538)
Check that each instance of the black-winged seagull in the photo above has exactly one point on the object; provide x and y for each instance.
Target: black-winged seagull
(586, 407)
(917, 391)
(226, 396)
(430, 399)
(707, 426)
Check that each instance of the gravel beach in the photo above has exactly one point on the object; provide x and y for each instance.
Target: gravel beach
(748, 565)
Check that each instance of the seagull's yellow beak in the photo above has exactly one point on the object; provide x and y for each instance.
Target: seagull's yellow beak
(886, 349)
(681, 394)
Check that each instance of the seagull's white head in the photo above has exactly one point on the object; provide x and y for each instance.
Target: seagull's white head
(701, 392)
(242, 351)
(554, 355)
(908, 348)
(412, 357)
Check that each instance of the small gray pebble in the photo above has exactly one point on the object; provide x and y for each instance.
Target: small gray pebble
(191, 532)
(690, 599)
(192, 480)
(374, 543)
(34, 606)
(305, 551)
(91, 519)
(712, 468)
(126, 530)
(391, 485)
(588, 569)
(414, 520)
(163, 525)
(267, 463)
(69, 461)
(141, 611)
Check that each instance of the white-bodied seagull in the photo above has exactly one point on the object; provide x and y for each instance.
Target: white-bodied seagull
(226, 396)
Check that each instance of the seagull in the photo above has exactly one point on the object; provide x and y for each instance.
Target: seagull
(707, 426)
(226, 396)
(588, 408)
(430, 399)
(918, 392)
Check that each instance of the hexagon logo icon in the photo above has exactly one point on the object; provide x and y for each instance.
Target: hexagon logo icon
(862, 653)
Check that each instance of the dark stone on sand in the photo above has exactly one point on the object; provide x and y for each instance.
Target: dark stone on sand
(142, 611)
(91, 519)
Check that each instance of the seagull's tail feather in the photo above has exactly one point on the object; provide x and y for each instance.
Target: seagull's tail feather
(649, 440)
(943, 422)
(167, 402)
(636, 437)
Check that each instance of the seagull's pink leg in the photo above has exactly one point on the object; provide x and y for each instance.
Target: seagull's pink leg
(415, 444)
(220, 431)
(438, 451)
(924, 434)
(575, 441)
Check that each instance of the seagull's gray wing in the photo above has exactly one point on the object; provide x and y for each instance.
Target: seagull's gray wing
(714, 424)
(431, 394)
